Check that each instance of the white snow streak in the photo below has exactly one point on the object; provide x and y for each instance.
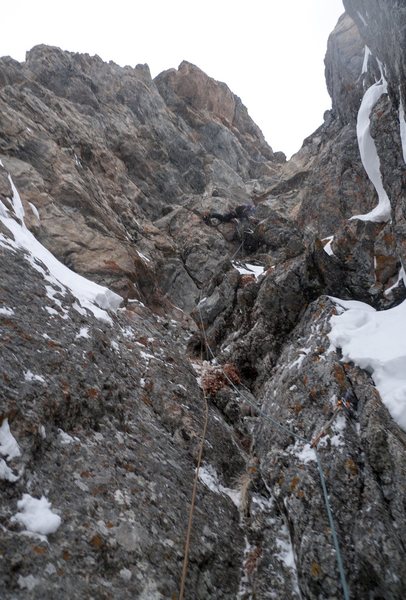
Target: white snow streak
(143, 257)
(367, 54)
(362, 18)
(90, 295)
(402, 124)
(369, 154)
(83, 333)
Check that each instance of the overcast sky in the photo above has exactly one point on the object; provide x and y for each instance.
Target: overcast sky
(269, 52)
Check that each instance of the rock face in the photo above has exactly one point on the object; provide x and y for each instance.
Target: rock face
(166, 192)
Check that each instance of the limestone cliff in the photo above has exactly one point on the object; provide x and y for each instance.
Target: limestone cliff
(157, 253)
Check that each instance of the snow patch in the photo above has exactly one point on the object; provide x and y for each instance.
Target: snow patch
(306, 454)
(285, 553)
(36, 515)
(248, 269)
(34, 210)
(83, 333)
(30, 376)
(375, 341)
(208, 476)
(286, 556)
(29, 582)
(65, 439)
(7, 312)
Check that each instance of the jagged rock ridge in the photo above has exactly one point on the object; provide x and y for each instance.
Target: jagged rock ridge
(118, 176)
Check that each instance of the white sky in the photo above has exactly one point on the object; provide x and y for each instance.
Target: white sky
(269, 52)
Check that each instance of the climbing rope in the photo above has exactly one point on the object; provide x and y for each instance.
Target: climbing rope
(334, 535)
(194, 491)
(192, 504)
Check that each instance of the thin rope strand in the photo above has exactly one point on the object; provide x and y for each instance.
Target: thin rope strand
(334, 535)
(192, 505)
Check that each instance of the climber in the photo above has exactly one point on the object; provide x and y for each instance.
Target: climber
(242, 212)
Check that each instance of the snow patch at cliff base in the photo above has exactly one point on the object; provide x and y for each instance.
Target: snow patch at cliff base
(375, 341)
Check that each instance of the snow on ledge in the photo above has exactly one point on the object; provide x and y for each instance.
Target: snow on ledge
(90, 295)
(375, 341)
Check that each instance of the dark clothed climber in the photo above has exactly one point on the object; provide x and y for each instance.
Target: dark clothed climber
(246, 224)
(239, 213)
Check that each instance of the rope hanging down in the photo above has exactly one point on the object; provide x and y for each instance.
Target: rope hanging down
(192, 505)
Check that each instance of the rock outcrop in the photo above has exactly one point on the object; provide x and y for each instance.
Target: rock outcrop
(211, 268)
